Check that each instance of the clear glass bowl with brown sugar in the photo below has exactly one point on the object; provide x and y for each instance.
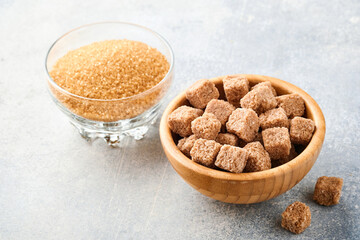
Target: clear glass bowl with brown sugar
(109, 78)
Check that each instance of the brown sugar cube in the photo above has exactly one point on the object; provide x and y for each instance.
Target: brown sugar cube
(258, 158)
(293, 154)
(267, 84)
(293, 104)
(232, 159)
(277, 142)
(235, 88)
(207, 126)
(185, 145)
(244, 123)
(205, 151)
(259, 99)
(328, 190)
(227, 138)
(274, 118)
(296, 217)
(301, 130)
(201, 92)
(221, 109)
(179, 121)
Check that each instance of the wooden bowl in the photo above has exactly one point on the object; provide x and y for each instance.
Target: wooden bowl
(244, 188)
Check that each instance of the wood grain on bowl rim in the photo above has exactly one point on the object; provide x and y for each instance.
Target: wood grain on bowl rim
(244, 188)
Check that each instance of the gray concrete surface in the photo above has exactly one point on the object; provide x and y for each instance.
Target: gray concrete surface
(53, 185)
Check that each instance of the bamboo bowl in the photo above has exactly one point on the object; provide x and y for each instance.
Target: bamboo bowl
(245, 188)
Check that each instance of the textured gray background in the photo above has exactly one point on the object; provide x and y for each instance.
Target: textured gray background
(54, 185)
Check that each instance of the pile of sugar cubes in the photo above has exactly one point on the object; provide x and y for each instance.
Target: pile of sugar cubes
(251, 130)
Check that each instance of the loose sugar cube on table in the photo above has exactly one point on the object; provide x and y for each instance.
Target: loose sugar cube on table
(328, 190)
(227, 138)
(293, 104)
(259, 99)
(232, 159)
(185, 144)
(235, 88)
(205, 151)
(201, 92)
(207, 126)
(296, 218)
(179, 121)
(267, 84)
(244, 123)
(258, 158)
(277, 142)
(221, 109)
(274, 118)
(301, 130)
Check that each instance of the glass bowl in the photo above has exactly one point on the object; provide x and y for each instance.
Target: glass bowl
(111, 119)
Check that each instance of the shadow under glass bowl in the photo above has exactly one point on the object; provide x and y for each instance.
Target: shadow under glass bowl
(245, 188)
(115, 118)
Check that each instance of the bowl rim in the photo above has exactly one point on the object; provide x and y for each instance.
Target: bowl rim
(169, 72)
(314, 145)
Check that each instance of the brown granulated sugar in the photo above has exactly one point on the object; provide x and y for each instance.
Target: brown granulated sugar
(110, 70)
